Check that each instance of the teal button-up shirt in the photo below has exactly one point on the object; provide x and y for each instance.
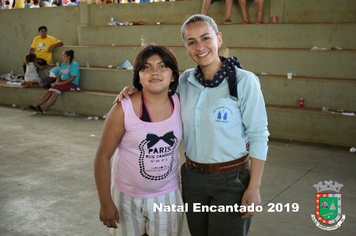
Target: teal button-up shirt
(216, 126)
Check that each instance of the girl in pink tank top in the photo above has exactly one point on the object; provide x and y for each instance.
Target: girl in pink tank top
(143, 133)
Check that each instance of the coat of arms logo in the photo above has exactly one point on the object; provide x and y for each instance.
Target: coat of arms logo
(328, 206)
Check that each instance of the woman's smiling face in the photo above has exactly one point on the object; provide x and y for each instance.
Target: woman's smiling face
(202, 43)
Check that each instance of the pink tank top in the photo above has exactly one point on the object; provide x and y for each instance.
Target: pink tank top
(146, 162)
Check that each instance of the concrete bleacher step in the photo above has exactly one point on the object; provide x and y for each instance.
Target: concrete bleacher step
(287, 11)
(336, 94)
(303, 62)
(297, 35)
(323, 78)
(169, 12)
(104, 79)
(277, 90)
(285, 122)
(80, 102)
(311, 125)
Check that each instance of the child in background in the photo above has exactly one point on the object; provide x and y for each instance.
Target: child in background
(7, 5)
(31, 76)
(144, 132)
(35, 4)
(28, 5)
(72, 3)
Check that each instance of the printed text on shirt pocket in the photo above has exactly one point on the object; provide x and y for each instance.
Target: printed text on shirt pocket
(224, 113)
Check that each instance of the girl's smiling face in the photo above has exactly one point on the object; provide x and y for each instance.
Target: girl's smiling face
(155, 77)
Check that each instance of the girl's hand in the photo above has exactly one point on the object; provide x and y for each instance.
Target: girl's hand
(109, 215)
(126, 92)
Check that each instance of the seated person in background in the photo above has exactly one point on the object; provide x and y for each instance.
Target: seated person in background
(35, 4)
(32, 78)
(45, 3)
(28, 5)
(72, 3)
(259, 4)
(7, 5)
(17, 4)
(58, 3)
(228, 9)
(44, 46)
(67, 79)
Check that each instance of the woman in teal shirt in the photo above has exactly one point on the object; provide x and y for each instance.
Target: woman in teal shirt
(68, 79)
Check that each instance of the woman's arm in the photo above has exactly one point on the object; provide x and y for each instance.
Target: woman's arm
(57, 80)
(111, 136)
(254, 118)
(252, 193)
(126, 92)
(60, 83)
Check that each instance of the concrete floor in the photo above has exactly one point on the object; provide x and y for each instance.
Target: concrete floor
(47, 185)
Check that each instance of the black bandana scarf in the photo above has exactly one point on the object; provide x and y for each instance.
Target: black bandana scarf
(227, 70)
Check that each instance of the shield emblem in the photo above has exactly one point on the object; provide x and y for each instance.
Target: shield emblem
(328, 208)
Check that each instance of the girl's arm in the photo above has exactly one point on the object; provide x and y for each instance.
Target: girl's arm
(39, 66)
(111, 136)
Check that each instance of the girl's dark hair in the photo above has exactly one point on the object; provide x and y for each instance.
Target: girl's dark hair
(199, 18)
(30, 57)
(70, 53)
(168, 58)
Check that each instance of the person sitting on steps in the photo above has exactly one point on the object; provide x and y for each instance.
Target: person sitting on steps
(228, 7)
(32, 78)
(44, 46)
(68, 79)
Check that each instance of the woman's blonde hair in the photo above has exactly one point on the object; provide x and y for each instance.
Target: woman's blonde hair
(199, 18)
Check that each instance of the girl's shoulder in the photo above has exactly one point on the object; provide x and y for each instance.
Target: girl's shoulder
(135, 99)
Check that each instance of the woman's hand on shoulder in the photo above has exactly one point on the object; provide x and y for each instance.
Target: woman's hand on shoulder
(126, 92)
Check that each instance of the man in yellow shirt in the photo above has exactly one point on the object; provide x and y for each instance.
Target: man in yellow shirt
(17, 4)
(44, 46)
